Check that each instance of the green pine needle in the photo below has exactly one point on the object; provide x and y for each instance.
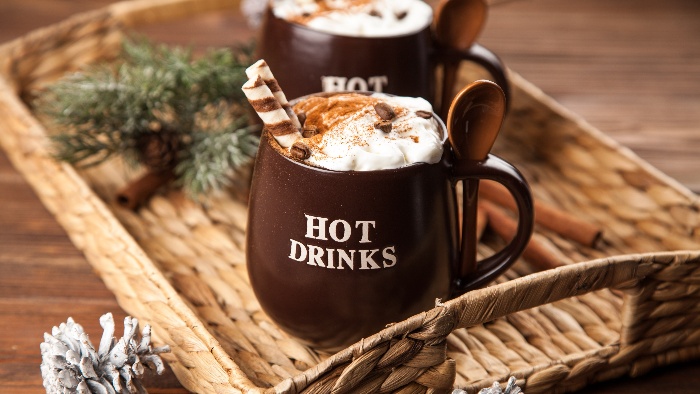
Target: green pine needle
(103, 111)
(214, 158)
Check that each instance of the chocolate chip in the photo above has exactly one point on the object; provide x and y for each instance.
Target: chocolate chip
(401, 15)
(309, 131)
(300, 151)
(383, 125)
(302, 117)
(375, 13)
(424, 114)
(385, 111)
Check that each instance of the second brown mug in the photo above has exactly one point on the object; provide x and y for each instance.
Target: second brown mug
(307, 61)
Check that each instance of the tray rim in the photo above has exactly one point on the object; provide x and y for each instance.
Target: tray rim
(33, 148)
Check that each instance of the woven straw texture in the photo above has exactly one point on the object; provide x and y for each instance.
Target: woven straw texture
(179, 265)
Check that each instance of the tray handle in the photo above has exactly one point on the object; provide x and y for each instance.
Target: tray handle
(424, 334)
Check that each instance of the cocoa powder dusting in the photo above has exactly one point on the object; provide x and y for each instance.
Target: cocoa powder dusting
(324, 113)
(324, 8)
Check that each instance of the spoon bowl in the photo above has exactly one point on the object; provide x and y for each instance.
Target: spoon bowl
(475, 118)
(459, 22)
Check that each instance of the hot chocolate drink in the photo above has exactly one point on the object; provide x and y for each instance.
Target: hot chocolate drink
(357, 18)
(359, 132)
(346, 131)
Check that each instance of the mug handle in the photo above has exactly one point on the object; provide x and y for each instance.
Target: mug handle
(499, 170)
(476, 53)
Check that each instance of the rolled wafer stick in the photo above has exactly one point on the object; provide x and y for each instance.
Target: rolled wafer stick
(261, 69)
(270, 111)
(548, 216)
(540, 252)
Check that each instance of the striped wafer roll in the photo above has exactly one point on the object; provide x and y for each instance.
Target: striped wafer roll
(271, 112)
(260, 68)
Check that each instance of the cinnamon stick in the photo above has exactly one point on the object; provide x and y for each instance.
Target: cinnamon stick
(546, 215)
(540, 252)
(138, 191)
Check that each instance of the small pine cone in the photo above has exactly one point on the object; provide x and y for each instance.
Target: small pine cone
(511, 388)
(71, 364)
(158, 150)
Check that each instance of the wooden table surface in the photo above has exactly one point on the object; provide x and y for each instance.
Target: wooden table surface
(631, 68)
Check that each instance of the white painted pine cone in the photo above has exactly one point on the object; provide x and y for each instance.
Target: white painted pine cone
(70, 364)
(511, 388)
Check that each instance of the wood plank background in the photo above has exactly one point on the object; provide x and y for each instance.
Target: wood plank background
(631, 68)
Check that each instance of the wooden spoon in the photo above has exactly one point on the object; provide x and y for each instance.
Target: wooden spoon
(457, 24)
(473, 122)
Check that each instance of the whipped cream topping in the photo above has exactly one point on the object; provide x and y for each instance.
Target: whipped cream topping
(357, 18)
(350, 139)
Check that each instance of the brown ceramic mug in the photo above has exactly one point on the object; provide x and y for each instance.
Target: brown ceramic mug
(334, 256)
(308, 61)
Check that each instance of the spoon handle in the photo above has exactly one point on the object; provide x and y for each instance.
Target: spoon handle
(486, 270)
(476, 54)
(470, 193)
(451, 66)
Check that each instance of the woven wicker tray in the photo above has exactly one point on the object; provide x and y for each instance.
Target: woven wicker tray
(627, 307)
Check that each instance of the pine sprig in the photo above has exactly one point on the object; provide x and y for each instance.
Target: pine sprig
(107, 110)
(214, 157)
